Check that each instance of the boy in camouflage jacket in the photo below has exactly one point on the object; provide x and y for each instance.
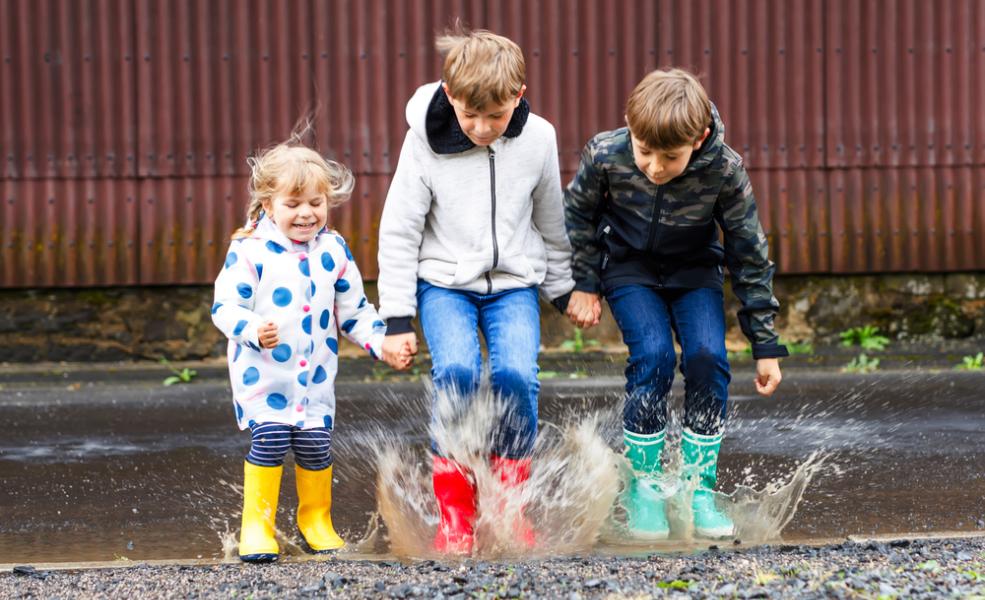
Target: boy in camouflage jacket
(643, 214)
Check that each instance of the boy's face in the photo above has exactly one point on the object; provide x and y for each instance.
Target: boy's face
(663, 165)
(484, 126)
(300, 217)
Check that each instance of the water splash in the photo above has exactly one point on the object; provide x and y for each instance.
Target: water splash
(573, 482)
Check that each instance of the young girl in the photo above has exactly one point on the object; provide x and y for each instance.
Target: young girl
(288, 286)
(471, 230)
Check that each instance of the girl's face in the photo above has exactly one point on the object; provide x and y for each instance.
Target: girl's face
(300, 217)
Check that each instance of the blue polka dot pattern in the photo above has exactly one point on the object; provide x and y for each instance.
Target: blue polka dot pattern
(345, 247)
(328, 421)
(312, 288)
(277, 401)
(311, 348)
(348, 325)
(379, 325)
(216, 307)
(327, 261)
(303, 378)
(305, 269)
(333, 345)
(282, 296)
(252, 346)
(259, 271)
(239, 350)
(306, 324)
(342, 286)
(244, 289)
(240, 326)
(282, 353)
(231, 259)
(275, 247)
(325, 317)
(239, 411)
(362, 302)
(251, 376)
(320, 375)
(252, 423)
(299, 424)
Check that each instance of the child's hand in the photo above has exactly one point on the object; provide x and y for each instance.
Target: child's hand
(767, 376)
(584, 309)
(399, 350)
(268, 335)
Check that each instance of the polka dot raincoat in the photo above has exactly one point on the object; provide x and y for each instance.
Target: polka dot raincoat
(312, 292)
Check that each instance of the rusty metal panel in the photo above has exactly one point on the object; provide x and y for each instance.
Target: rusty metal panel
(761, 63)
(793, 208)
(923, 219)
(218, 80)
(67, 107)
(68, 232)
(905, 81)
(186, 224)
(859, 121)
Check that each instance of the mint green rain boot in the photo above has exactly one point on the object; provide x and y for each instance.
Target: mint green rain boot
(700, 454)
(646, 515)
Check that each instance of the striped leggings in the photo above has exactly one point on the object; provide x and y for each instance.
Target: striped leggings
(271, 441)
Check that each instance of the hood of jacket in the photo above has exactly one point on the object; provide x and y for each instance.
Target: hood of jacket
(712, 146)
(432, 117)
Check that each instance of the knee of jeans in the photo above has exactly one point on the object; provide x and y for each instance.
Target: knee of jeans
(655, 365)
(707, 366)
(460, 377)
(512, 383)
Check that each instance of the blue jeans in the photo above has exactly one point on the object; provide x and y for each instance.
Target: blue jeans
(647, 318)
(510, 324)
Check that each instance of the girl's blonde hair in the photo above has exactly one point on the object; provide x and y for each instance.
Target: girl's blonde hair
(290, 168)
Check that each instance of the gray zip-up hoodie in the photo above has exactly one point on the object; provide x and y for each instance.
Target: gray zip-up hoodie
(479, 219)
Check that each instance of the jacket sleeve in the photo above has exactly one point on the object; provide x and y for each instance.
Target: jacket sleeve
(235, 297)
(582, 200)
(747, 258)
(401, 231)
(548, 218)
(357, 318)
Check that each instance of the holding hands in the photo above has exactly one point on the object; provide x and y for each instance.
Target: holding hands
(399, 350)
(584, 309)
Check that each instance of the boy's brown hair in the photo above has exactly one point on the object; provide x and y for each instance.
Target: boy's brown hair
(482, 68)
(668, 109)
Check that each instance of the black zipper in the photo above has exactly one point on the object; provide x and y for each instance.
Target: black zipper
(653, 238)
(492, 197)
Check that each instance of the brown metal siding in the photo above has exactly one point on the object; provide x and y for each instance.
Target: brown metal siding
(125, 124)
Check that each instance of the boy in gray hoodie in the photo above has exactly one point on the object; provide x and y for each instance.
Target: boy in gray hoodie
(473, 226)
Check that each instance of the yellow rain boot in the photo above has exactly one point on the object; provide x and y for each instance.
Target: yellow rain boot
(261, 486)
(315, 510)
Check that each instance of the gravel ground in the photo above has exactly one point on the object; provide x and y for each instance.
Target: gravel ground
(897, 569)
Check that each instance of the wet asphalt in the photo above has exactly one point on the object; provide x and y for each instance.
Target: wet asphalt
(129, 469)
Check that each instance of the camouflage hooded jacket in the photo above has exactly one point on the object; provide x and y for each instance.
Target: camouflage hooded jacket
(627, 230)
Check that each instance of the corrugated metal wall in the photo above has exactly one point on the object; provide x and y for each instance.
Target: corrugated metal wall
(125, 124)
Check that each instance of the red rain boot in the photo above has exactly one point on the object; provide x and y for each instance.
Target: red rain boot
(514, 473)
(455, 492)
